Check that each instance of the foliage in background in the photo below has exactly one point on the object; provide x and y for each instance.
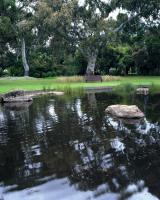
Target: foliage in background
(59, 34)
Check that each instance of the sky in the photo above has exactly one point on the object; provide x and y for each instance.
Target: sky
(112, 14)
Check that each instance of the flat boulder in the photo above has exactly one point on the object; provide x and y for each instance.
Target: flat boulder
(125, 111)
(15, 97)
(143, 91)
(15, 93)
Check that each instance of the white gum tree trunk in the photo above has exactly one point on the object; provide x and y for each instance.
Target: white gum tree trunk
(92, 58)
(24, 60)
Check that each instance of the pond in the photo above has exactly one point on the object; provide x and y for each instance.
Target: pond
(67, 148)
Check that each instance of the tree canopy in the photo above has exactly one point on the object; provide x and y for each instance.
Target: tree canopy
(65, 37)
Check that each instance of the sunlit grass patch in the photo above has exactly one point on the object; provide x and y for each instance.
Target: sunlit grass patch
(76, 79)
(76, 82)
(69, 79)
(111, 78)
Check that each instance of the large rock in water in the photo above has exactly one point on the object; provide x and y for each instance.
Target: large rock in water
(15, 96)
(124, 111)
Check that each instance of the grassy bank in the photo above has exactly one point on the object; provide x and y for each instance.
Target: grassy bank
(8, 84)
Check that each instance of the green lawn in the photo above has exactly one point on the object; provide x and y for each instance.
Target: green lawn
(51, 83)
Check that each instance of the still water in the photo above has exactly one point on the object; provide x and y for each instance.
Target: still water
(67, 148)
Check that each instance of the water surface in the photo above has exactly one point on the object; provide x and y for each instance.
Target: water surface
(67, 148)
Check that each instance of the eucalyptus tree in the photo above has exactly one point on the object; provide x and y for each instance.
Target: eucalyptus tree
(147, 10)
(24, 32)
(139, 25)
(15, 29)
(25, 28)
(90, 29)
(7, 30)
(52, 20)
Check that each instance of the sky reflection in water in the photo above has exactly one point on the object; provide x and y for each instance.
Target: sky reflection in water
(67, 148)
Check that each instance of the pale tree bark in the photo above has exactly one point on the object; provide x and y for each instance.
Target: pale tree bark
(92, 100)
(92, 58)
(24, 60)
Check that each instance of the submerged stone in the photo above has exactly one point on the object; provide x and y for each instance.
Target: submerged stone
(144, 91)
(17, 99)
(125, 111)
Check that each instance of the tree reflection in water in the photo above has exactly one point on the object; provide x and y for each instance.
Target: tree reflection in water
(71, 138)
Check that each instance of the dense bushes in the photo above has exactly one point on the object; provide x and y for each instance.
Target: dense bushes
(147, 57)
(142, 59)
(57, 36)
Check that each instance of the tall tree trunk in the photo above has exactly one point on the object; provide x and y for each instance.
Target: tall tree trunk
(92, 58)
(24, 60)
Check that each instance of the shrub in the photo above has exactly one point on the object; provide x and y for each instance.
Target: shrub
(112, 71)
(16, 71)
(126, 88)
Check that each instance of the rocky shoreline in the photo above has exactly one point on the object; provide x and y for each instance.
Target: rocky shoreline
(25, 96)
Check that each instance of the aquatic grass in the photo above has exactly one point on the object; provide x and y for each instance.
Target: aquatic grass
(125, 88)
(46, 88)
(68, 90)
(154, 88)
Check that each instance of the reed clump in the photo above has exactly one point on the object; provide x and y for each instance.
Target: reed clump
(125, 88)
(70, 79)
(153, 88)
(68, 90)
(74, 79)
